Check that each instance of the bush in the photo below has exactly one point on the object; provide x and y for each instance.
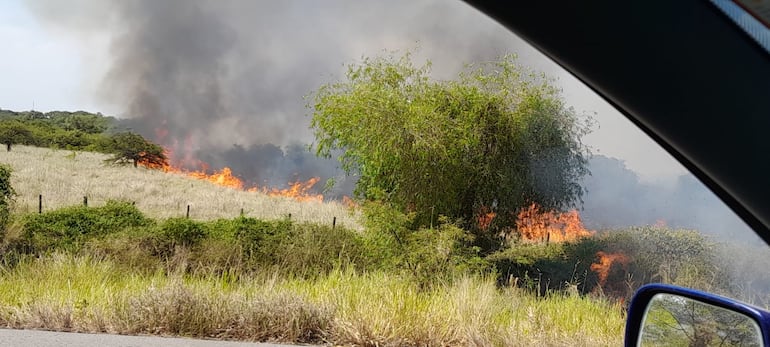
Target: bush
(539, 267)
(134, 249)
(394, 241)
(298, 249)
(441, 253)
(496, 137)
(6, 197)
(649, 254)
(309, 250)
(386, 229)
(240, 246)
(183, 232)
(258, 239)
(70, 227)
(667, 255)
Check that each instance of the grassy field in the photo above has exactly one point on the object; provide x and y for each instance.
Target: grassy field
(65, 177)
(98, 288)
(68, 293)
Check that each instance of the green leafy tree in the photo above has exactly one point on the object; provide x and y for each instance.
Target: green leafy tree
(7, 194)
(14, 132)
(496, 138)
(85, 122)
(129, 147)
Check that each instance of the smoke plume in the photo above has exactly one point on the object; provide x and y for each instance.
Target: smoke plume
(224, 81)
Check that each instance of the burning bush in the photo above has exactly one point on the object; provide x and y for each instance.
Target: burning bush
(494, 139)
(684, 257)
(615, 263)
(535, 225)
(128, 147)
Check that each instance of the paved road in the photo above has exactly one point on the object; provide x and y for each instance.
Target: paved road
(9, 337)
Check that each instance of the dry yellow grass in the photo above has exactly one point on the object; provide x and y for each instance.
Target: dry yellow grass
(64, 177)
(70, 293)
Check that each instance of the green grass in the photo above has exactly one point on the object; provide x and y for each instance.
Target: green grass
(80, 293)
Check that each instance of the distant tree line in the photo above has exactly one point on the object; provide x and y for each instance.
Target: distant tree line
(78, 130)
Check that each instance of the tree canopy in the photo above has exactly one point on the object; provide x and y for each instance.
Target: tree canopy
(129, 147)
(14, 132)
(7, 194)
(56, 129)
(496, 138)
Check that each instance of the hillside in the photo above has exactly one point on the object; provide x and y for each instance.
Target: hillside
(64, 177)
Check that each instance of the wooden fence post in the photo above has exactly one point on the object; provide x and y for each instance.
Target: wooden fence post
(188, 211)
(85, 201)
(40, 203)
(334, 222)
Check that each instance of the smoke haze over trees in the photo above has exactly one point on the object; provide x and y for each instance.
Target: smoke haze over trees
(229, 77)
(223, 82)
(616, 197)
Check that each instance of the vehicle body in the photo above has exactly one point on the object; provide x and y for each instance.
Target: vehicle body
(684, 73)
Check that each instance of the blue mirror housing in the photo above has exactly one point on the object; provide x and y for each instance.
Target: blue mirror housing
(645, 297)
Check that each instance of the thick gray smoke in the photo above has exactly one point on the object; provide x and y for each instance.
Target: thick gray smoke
(616, 198)
(223, 81)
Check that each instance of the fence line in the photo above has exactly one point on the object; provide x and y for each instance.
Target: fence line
(187, 213)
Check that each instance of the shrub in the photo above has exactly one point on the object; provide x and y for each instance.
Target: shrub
(539, 267)
(394, 241)
(441, 253)
(70, 227)
(259, 239)
(650, 254)
(134, 249)
(310, 250)
(6, 197)
(456, 148)
(667, 255)
(181, 232)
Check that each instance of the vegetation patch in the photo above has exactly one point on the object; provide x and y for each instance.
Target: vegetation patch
(80, 293)
(69, 228)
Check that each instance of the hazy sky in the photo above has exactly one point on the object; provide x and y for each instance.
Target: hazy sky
(44, 64)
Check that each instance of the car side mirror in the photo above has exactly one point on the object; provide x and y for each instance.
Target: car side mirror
(665, 315)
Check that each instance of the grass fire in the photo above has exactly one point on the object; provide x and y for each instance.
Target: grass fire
(300, 191)
(555, 248)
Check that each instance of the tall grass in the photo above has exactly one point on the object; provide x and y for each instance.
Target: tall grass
(110, 269)
(81, 293)
(64, 177)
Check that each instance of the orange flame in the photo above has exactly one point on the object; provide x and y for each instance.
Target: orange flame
(300, 191)
(297, 190)
(349, 202)
(222, 178)
(606, 261)
(485, 217)
(550, 226)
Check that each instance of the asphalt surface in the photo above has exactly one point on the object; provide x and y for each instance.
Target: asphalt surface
(10, 337)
